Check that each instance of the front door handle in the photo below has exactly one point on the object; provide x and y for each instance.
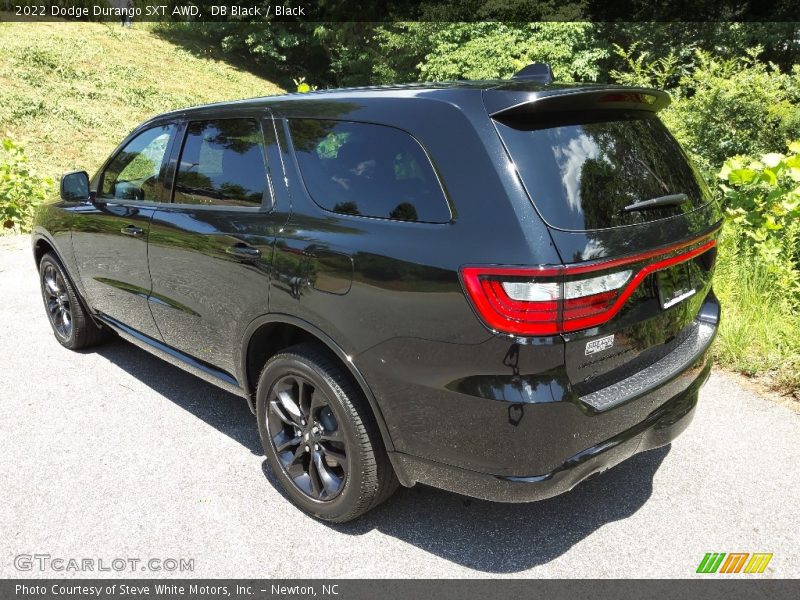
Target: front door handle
(132, 231)
(243, 251)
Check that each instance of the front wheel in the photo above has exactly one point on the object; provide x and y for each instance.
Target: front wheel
(71, 323)
(319, 436)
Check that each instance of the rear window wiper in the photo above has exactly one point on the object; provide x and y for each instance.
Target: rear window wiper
(670, 200)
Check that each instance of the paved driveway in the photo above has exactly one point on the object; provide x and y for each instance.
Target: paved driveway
(112, 454)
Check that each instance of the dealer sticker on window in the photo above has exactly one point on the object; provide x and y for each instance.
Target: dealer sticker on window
(598, 345)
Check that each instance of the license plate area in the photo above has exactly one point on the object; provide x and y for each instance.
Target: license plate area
(678, 283)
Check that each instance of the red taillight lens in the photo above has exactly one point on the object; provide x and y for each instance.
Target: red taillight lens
(547, 301)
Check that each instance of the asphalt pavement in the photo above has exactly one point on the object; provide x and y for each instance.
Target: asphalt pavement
(111, 454)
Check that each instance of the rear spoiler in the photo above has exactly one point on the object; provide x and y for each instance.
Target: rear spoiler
(504, 102)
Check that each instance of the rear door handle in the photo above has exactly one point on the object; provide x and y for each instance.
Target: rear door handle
(132, 231)
(243, 251)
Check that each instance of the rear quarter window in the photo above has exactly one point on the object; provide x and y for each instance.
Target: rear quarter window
(368, 170)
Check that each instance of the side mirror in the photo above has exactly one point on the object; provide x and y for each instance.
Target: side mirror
(75, 186)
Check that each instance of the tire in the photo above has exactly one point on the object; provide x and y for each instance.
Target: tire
(71, 323)
(319, 436)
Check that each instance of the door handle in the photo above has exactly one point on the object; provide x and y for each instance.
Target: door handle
(132, 231)
(243, 251)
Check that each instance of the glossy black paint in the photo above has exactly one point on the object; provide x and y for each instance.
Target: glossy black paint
(659, 428)
(454, 401)
(110, 245)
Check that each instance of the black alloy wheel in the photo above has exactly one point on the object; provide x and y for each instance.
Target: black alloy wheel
(320, 436)
(71, 323)
(57, 301)
(306, 437)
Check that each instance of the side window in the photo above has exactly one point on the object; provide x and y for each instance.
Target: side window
(369, 170)
(222, 163)
(135, 172)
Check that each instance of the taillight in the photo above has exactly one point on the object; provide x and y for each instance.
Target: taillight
(548, 301)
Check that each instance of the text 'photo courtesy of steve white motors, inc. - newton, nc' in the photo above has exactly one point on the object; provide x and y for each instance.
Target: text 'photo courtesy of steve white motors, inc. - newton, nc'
(90, 589)
(119, 9)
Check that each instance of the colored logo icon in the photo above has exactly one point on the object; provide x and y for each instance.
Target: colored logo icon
(734, 562)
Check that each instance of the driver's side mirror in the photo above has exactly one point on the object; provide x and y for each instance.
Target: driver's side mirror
(75, 186)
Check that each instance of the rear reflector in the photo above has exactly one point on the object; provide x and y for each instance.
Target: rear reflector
(548, 301)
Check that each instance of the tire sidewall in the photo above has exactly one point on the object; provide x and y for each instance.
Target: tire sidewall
(294, 364)
(46, 261)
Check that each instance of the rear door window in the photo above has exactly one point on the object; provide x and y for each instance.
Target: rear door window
(369, 170)
(222, 163)
(581, 172)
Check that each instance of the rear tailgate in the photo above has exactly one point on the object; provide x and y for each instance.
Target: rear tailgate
(635, 227)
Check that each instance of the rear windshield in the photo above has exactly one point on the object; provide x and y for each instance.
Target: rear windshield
(581, 172)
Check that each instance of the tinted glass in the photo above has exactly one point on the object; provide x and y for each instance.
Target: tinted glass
(580, 175)
(135, 172)
(369, 170)
(222, 162)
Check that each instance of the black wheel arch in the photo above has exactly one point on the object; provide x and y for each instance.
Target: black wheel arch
(254, 355)
(42, 244)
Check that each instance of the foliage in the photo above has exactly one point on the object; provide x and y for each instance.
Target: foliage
(759, 334)
(660, 73)
(437, 45)
(488, 50)
(721, 107)
(762, 199)
(20, 188)
(682, 40)
(303, 87)
(333, 53)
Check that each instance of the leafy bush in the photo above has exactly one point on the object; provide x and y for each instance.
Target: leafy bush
(445, 51)
(303, 87)
(721, 107)
(762, 199)
(20, 188)
(758, 272)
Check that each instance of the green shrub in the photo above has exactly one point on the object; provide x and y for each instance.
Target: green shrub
(721, 107)
(20, 188)
(762, 199)
(758, 272)
(446, 51)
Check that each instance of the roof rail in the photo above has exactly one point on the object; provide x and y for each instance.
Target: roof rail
(539, 72)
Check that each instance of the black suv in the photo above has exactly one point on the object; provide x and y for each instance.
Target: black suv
(498, 288)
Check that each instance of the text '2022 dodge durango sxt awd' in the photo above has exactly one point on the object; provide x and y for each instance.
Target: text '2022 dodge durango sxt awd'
(498, 288)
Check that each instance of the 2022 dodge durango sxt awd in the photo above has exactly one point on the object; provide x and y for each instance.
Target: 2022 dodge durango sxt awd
(498, 288)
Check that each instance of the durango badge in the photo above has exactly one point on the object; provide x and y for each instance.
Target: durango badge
(603, 343)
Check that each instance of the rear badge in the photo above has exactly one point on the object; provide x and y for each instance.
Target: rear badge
(680, 296)
(599, 345)
(677, 284)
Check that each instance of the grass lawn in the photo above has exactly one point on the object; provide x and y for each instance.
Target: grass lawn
(70, 91)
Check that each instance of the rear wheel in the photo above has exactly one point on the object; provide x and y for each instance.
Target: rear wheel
(319, 436)
(72, 325)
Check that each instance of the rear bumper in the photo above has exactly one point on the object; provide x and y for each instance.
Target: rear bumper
(660, 427)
